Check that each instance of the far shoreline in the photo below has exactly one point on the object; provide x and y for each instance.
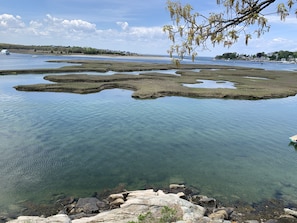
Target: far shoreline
(106, 55)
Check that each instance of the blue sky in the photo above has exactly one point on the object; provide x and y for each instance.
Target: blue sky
(130, 25)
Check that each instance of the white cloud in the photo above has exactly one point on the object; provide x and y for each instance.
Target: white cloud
(77, 32)
(75, 25)
(123, 25)
(11, 22)
(78, 25)
(279, 40)
(146, 32)
(276, 19)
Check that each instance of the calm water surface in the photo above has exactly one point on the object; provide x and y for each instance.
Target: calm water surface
(52, 143)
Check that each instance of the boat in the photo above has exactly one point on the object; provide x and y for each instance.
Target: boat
(5, 51)
(293, 139)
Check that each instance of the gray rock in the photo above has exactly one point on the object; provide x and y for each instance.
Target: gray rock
(66, 201)
(204, 201)
(272, 221)
(87, 205)
(208, 202)
(176, 188)
(102, 205)
(251, 221)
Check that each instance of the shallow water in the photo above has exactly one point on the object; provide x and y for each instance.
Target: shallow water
(54, 143)
(211, 84)
(27, 61)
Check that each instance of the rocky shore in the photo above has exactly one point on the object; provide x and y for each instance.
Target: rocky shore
(176, 204)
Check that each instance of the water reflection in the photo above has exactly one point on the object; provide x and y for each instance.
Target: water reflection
(109, 73)
(294, 145)
(24, 61)
(211, 84)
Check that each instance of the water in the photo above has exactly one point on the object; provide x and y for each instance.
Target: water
(211, 84)
(53, 143)
(24, 61)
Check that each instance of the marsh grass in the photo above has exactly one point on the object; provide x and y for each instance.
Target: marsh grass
(261, 84)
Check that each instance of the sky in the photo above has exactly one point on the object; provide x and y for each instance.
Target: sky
(126, 25)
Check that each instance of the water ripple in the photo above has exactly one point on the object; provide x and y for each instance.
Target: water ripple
(50, 141)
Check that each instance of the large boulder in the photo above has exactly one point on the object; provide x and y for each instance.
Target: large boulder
(59, 218)
(144, 202)
(88, 205)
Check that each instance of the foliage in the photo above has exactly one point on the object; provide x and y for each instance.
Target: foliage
(227, 56)
(192, 30)
(278, 55)
(167, 215)
(287, 54)
(51, 49)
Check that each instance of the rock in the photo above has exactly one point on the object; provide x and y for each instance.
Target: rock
(176, 188)
(141, 202)
(102, 205)
(181, 195)
(290, 212)
(70, 208)
(286, 219)
(113, 197)
(148, 201)
(272, 221)
(208, 202)
(251, 221)
(221, 214)
(117, 203)
(87, 205)
(59, 218)
(80, 215)
(115, 200)
(66, 201)
(204, 201)
(287, 216)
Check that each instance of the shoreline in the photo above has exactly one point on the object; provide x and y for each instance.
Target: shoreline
(74, 55)
(98, 206)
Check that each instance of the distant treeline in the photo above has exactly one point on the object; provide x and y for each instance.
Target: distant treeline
(51, 49)
(277, 55)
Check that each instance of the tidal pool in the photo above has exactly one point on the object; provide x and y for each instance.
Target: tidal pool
(211, 84)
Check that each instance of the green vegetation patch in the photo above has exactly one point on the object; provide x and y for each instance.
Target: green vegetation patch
(167, 214)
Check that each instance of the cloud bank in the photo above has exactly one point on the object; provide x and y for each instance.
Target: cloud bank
(53, 30)
(58, 31)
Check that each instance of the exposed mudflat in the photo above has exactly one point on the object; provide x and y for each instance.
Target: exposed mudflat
(249, 83)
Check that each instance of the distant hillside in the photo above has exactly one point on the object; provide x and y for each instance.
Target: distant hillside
(51, 49)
